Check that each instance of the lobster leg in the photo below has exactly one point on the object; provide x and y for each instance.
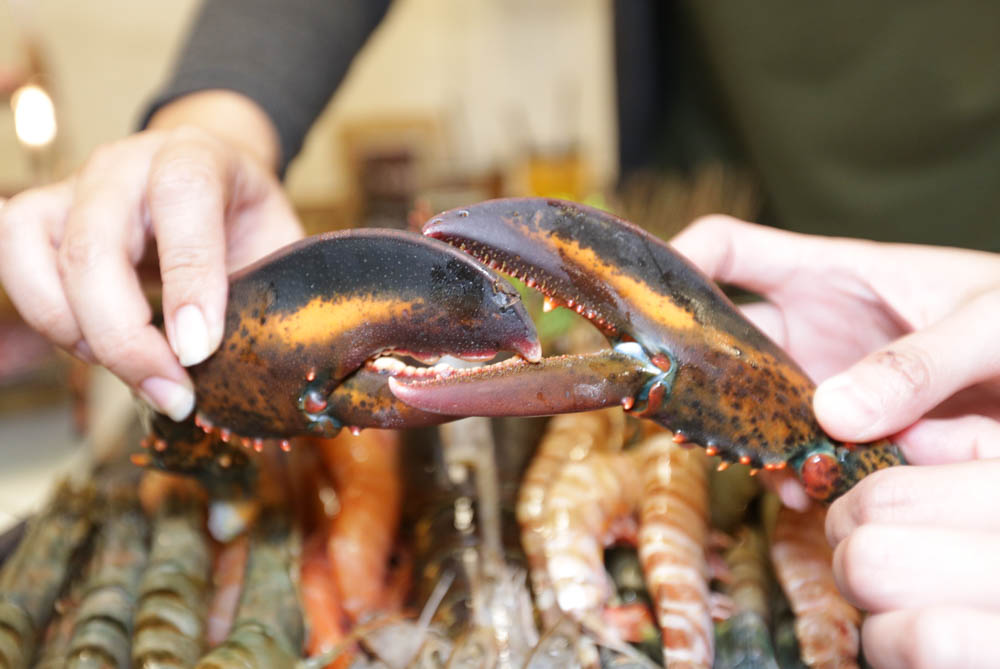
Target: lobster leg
(683, 355)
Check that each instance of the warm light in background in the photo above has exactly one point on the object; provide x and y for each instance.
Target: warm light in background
(34, 116)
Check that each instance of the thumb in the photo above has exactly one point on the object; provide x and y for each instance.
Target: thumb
(893, 387)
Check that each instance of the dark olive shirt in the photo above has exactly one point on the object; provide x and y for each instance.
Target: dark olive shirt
(859, 118)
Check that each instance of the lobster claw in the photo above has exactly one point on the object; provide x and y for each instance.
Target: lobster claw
(306, 326)
(683, 355)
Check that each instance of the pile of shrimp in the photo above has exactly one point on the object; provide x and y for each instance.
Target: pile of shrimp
(612, 547)
(649, 547)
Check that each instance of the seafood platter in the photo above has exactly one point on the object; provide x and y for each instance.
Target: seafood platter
(356, 489)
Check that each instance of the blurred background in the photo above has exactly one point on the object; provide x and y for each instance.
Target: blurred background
(441, 83)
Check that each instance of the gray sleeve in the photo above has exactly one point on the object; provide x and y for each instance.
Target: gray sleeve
(287, 55)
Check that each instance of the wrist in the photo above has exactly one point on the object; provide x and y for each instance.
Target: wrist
(230, 116)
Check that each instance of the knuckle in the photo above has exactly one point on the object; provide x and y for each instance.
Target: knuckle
(878, 497)
(54, 323)
(865, 502)
(712, 226)
(183, 261)
(179, 179)
(839, 522)
(115, 346)
(715, 221)
(909, 368)
(187, 133)
(78, 253)
(103, 158)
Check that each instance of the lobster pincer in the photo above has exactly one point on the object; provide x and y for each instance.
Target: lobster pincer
(682, 354)
(310, 331)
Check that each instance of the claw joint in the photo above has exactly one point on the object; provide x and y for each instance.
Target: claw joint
(661, 368)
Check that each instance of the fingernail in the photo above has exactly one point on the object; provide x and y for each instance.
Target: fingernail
(191, 343)
(843, 403)
(168, 397)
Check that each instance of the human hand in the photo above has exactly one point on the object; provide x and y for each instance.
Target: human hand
(916, 330)
(909, 332)
(201, 192)
(916, 547)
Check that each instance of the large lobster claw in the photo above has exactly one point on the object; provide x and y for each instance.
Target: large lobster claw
(306, 326)
(683, 355)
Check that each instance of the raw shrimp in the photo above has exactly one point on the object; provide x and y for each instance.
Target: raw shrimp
(589, 504)
(673, 531)
(173, 593)
(32, 578)
(567, 438)
(825, 623)
(743, 640)
(321, 602)
(365, 471)
(103, 632)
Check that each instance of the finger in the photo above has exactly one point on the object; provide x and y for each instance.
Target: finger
(753, 256)
(102, 239)
(188, 192)
(28, 268)
(938, 637)
(788, 488)
(891, 388)
(959, 496)
(884, 567)
(935, 441)
(769, 319)
(270, 222)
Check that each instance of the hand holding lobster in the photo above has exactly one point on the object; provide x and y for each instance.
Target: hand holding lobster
(199, 184)
(914, 353)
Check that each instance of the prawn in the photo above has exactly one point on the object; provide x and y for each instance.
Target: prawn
(826, 625)
(673, 534)
(567, 438)
(366, 473)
